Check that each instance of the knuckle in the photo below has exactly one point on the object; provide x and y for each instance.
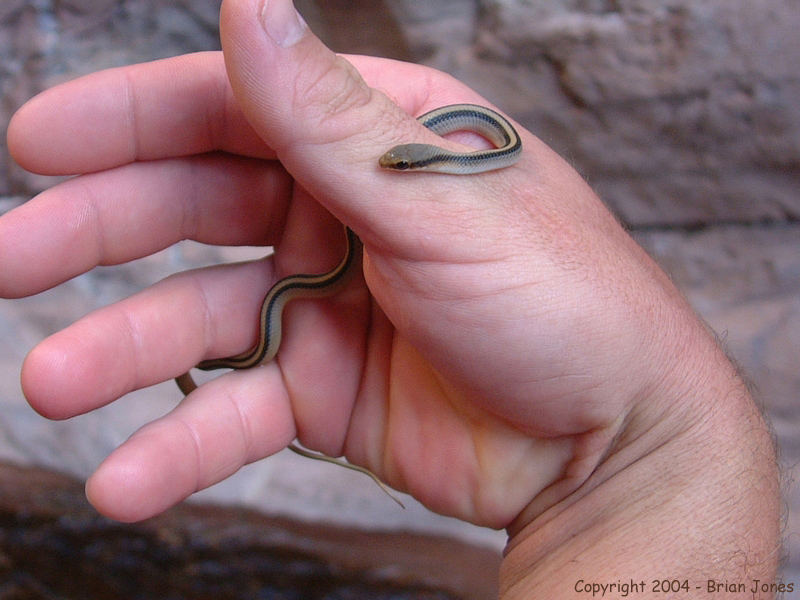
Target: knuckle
(331, 91)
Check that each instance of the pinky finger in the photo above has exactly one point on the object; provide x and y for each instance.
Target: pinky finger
(231, 421)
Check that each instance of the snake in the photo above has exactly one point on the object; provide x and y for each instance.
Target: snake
(413, 157)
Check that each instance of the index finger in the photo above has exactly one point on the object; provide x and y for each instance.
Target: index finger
(167, 108)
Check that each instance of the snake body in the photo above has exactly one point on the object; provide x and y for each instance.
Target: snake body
(288, 288)
(459, 117)
(406, 157)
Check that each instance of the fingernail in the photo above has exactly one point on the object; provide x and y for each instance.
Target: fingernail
(282, 22)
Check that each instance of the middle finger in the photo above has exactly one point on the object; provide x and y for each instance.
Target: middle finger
(132, 211)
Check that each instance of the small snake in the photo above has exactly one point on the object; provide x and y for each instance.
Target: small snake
(407, 157)
(459, 117)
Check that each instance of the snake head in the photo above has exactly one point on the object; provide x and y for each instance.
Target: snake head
(404, 157)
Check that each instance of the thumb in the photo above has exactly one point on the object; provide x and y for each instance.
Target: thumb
(310, 105)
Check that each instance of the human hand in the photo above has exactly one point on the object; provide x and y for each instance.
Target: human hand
(506, 339)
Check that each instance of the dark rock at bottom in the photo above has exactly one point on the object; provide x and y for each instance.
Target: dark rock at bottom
(53, 545)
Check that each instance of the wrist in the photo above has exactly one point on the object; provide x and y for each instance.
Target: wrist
(688, 486)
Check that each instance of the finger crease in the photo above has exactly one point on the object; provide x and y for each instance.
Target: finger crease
(133, 120)
(197, 446)
(244, 426)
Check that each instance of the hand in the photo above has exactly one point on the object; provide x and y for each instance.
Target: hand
(509, 351)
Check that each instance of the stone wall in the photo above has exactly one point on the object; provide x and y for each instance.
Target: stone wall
(683, 114)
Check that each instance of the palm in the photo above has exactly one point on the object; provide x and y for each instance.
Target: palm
(358, 386)
(387, 397)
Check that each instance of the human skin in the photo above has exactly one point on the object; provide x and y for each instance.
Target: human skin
(510, 357)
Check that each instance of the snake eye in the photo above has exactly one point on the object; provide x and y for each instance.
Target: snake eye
(402, 165)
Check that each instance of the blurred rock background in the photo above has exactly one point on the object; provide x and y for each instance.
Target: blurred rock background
(683, 114)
